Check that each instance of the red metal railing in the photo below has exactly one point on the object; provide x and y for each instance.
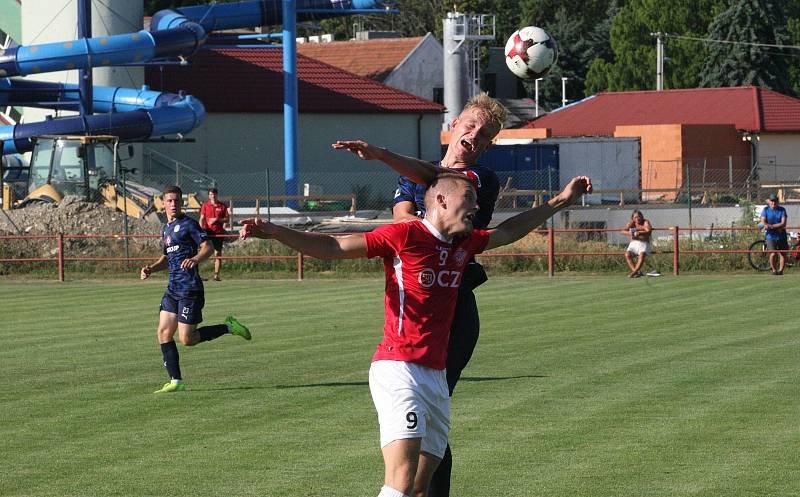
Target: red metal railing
(60, 257)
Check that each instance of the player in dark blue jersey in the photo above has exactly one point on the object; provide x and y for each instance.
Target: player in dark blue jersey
(185, 246)
(471, 133)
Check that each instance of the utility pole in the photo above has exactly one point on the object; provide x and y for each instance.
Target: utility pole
(659, 59)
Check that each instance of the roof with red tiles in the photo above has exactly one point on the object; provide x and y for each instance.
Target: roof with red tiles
(374, 59)
(250, 80)
(747, 107)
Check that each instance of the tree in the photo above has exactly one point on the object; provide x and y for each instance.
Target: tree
(737, 63)
(575, 25)
(632, 66)
(416, 18)
(793, 25)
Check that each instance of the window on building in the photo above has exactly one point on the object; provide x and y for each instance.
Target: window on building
(438, 95)
(490, 83)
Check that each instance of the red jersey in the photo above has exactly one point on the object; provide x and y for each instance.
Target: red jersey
(218, 210)
(423, 272)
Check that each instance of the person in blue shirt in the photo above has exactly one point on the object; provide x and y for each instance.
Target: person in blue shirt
(773, 219)
(185, 246)
(471, 133)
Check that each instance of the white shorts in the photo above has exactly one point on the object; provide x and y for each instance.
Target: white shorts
(412, 402)
(638, 247)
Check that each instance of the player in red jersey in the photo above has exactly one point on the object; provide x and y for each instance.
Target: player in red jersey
(471, 134)
(424, 261)
(213, 216)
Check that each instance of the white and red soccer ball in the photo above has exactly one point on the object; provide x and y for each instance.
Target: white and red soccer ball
(531, 52)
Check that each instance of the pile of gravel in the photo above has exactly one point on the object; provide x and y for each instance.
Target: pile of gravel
(72, 216)
(75, 216)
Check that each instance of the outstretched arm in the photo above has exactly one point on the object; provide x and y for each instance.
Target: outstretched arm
(317, 245)
(417, 170)
(512, 229)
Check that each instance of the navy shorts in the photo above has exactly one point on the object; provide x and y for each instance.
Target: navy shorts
(216, 240)
(189, 310)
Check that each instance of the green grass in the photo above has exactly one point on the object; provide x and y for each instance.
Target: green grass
(580, 386)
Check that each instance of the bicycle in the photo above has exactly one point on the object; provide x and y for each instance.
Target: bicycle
(758, 256)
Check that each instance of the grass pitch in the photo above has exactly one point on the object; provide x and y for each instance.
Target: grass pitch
(580, 386)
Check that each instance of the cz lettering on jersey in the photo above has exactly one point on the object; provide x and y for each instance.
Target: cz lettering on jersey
(444, 278)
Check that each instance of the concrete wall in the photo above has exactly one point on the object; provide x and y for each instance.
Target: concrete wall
(710, 150)
(612, 163)
(661, 152)
(664, 218)
(779, 157)
(421, 71)
(249, 144)
(716, 143)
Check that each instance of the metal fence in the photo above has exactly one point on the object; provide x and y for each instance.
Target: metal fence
(550, 250)
(719, 179)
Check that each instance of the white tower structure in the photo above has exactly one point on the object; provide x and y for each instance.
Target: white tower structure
(47, 21)
(462, 35)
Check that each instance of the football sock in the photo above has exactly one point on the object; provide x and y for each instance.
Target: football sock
(170, 352)
(208, 333)
(387, 491)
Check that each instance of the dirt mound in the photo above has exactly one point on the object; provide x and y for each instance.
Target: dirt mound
(72, 216)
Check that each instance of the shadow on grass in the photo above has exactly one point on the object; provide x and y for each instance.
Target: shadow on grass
(364, 383)
(330, 384)
(501, 378)
(360, 383)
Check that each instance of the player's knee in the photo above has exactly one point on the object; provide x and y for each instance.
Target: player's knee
(189, 339)
(164, 335)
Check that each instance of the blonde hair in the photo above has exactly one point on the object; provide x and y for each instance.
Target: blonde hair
(490, 108)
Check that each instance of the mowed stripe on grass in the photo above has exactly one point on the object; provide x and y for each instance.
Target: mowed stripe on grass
(579, 386)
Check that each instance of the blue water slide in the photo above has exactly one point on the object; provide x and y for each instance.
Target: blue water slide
(133, 114)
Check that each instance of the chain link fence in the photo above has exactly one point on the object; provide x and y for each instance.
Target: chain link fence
(723, 180)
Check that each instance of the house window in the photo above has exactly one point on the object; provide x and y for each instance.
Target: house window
(438, 95)
(490, 83)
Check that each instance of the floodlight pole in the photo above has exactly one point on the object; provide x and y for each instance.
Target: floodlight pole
(536, 93)
(564, 92)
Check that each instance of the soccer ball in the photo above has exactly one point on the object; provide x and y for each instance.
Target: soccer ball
(531, 52)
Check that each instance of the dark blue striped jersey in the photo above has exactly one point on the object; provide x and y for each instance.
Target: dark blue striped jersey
(181, 239)
(487, 187)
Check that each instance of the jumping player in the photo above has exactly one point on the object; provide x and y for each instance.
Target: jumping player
(185, 246)
(471, 133)
(424, 262)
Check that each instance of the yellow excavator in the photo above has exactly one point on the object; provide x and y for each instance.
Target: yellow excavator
(89, 167)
